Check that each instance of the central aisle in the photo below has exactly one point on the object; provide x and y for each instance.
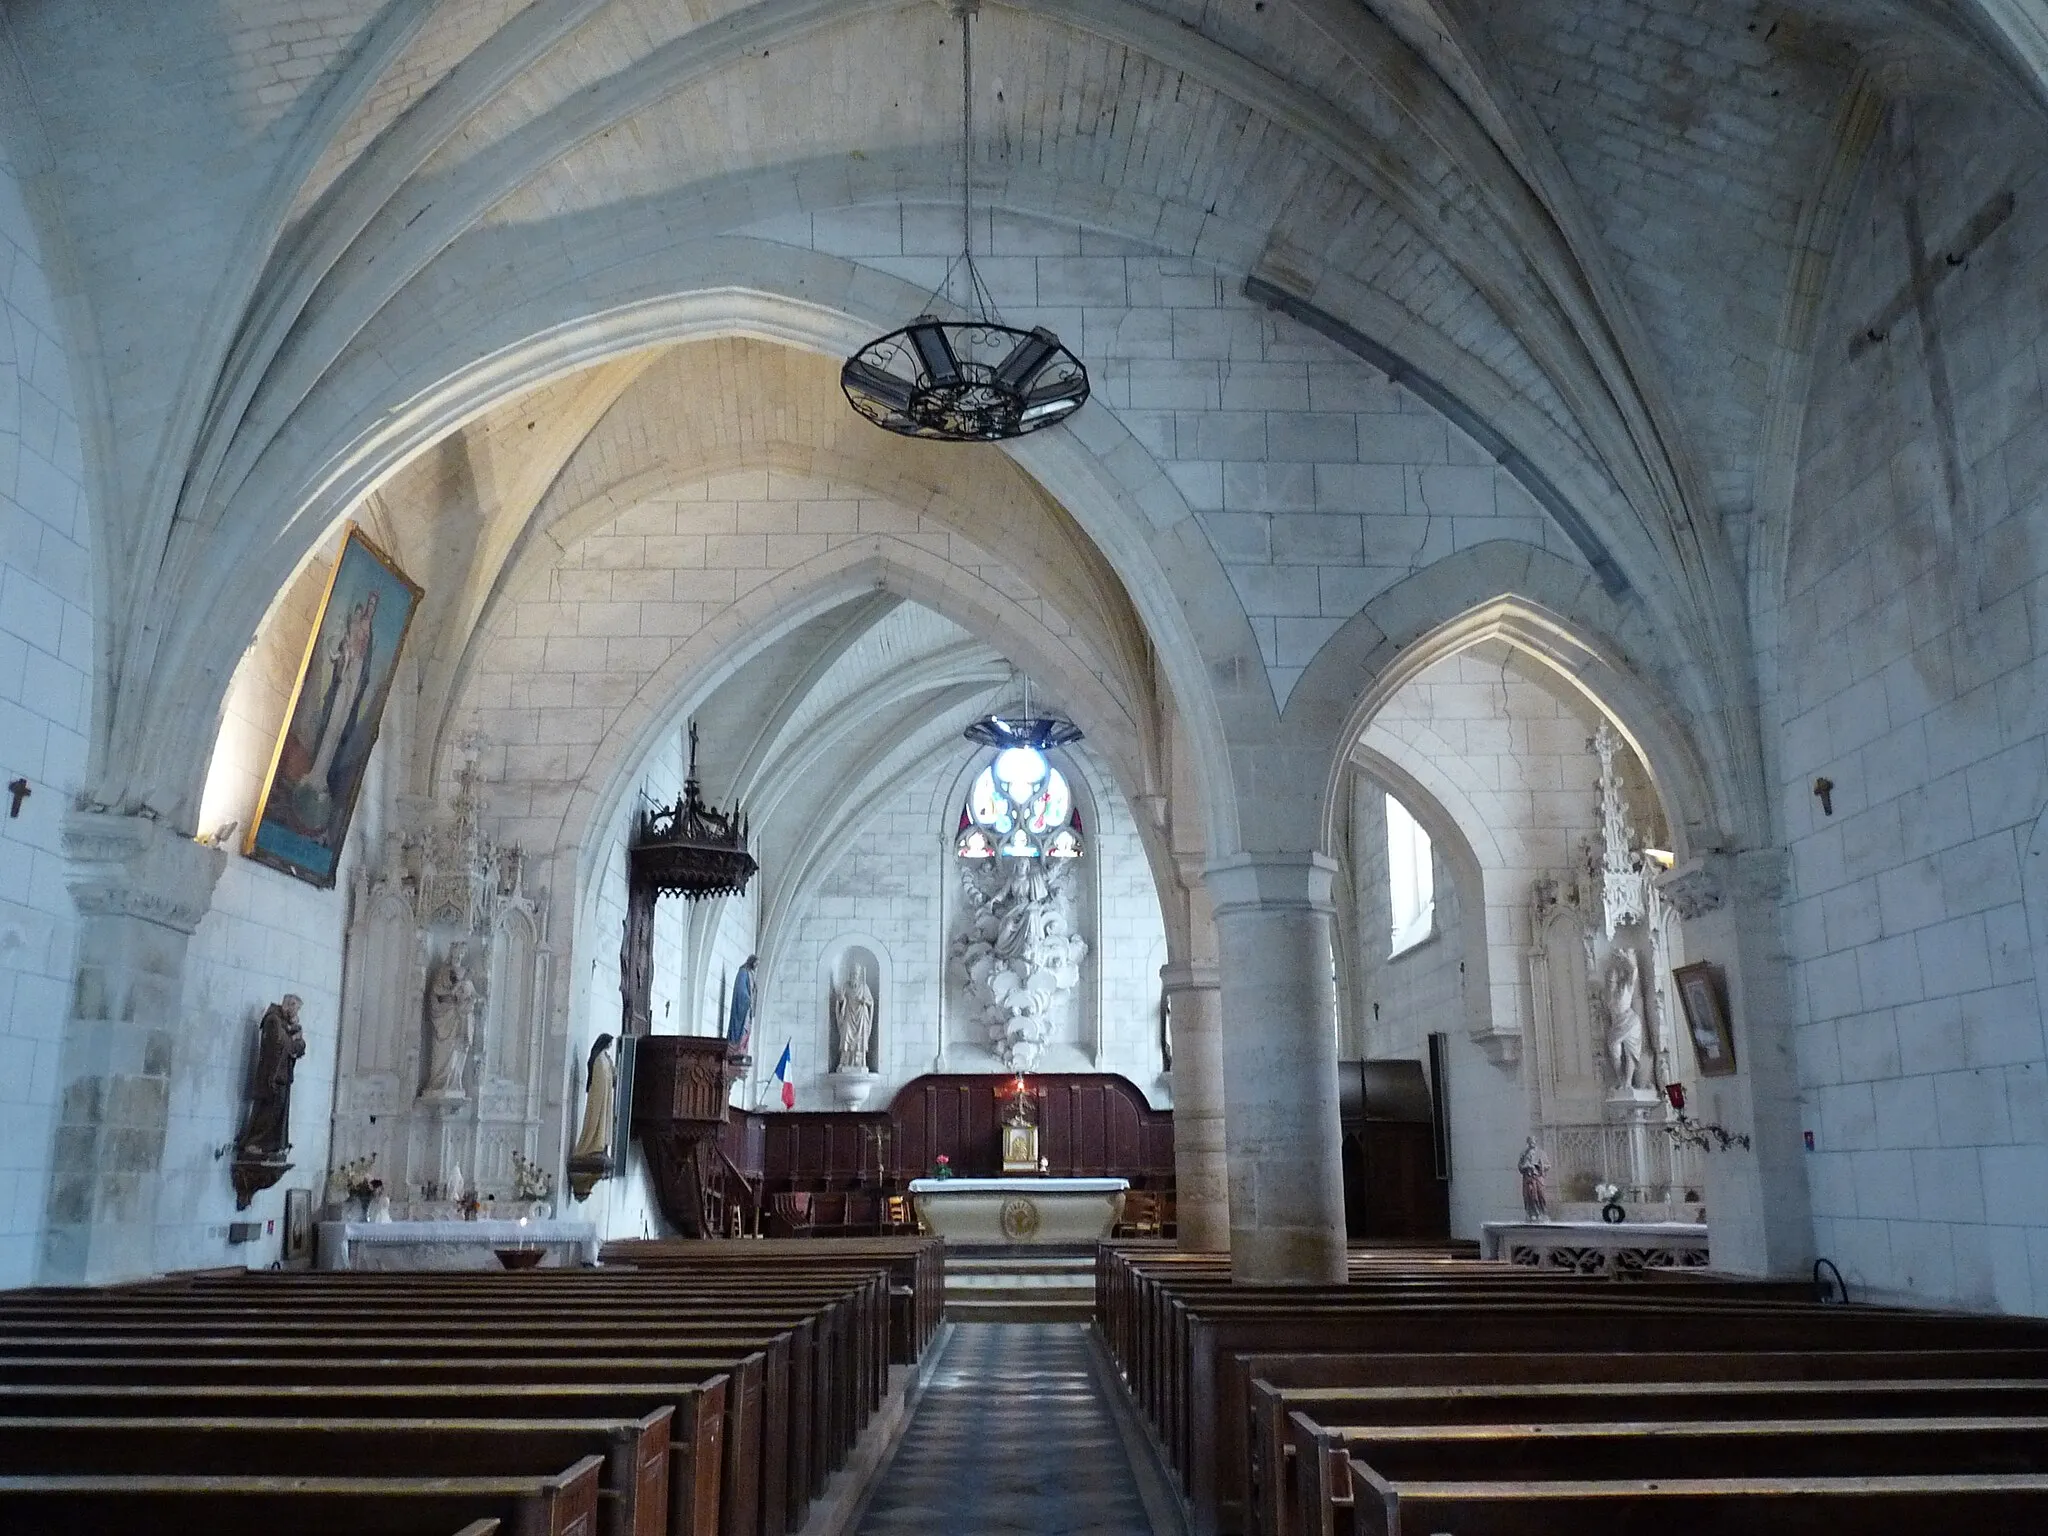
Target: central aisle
(1012, 1434)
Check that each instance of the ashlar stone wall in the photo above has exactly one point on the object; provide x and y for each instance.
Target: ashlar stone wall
(1913, 678)
(46, 671)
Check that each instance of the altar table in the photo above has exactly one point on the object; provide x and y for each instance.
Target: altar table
(1019, 1210)
(1595, 1247)
(451, 1244)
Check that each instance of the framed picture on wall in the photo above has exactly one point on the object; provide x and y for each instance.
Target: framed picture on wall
(316, 769)
(298, 1227)
(1703, 994)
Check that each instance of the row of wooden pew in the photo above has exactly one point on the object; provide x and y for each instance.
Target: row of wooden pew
(683, 1389)
(1438, 1394)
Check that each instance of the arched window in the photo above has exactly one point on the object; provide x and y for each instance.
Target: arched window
(1019, 807)
(1411, 879)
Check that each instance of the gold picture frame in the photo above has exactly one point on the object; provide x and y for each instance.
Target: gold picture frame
(1703, 994)
(337, 705)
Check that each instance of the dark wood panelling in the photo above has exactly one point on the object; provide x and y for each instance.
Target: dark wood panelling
(1090, 1125)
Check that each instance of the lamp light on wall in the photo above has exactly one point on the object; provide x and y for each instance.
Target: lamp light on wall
(975, 379)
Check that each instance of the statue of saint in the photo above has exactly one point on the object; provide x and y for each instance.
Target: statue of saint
(1623, 981)
(280, 1042)
(1534, 1167)
(739, 1027)
(451, 1010)
(853, 1014)
(600, 1103)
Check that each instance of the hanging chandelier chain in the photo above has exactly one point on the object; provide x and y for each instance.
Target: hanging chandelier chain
(967, 140)
(973, 380)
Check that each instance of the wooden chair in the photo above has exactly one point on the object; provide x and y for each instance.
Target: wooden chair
(1141, 1215)
(896, 1215)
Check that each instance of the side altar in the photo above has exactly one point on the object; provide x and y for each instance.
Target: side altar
(1022, 1210)
(395, 1245)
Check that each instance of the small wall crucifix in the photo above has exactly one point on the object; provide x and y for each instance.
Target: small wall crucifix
(19, 790)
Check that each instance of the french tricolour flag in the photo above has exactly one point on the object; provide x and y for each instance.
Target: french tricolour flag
(782, 1076)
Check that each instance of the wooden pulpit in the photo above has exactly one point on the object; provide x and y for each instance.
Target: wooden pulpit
(681, 1087)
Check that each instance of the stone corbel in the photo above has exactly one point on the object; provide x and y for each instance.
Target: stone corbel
(139, 867)
(1503, 1047)
(1696, 887)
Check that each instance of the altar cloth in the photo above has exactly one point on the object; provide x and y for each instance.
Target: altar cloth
(1019, 1210)
(451, 1244)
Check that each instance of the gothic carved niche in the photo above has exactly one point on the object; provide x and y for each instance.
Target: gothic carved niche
(1603, 941)
(1019, 956)
(445, 987)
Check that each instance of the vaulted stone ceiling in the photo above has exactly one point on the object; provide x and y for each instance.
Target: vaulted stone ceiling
(286, 230)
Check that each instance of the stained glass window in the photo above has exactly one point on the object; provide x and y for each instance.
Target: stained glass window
(1019, 807)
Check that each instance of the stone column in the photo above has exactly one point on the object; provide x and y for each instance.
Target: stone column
(141, 890)
(1759, 1217)
(1201, 1170)
(1273, 913)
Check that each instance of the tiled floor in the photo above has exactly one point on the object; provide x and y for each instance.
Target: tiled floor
(1012, 1434)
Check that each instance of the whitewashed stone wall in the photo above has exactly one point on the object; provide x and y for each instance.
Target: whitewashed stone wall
(265, 935)
(46, 672)
(622, 1206)
(1507, 758)
(1400, 1000)
(893, 884)
(1320, 483)
(1912, 675)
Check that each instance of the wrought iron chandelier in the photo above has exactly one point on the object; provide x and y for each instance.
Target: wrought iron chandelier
(691, 849)
(974, 379)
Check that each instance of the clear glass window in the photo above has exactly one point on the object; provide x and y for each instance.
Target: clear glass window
(1411, 878)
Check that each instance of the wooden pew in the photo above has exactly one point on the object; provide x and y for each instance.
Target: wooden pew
(1183, 1338)
(1682, 1448)
(754, 1486)
(696, 1463)
(245, 1505)
(2013, 1504)
(817, 1331)
(1706, 1387)
(819, 1430)
(633, 1484)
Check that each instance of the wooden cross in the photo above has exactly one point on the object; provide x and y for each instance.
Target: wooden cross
(1926, 270)
(19, 790)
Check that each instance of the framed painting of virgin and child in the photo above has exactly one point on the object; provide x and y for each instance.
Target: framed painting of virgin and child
(316, 771)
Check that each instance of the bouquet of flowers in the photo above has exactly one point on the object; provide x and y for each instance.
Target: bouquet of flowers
(530, 1181)
(353, 1179)
(942, 1167)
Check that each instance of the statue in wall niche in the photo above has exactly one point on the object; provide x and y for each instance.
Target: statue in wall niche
(853, 1016)
(266, 1132)
(591, 1158)
(451, 1020)
(1534, 1168)
(1623, 983)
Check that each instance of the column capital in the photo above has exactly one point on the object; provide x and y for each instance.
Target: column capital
(1248, 882)
(136, 866)
(1190, 978)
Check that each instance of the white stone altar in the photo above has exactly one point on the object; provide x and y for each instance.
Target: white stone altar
(451, 1244)
(1596, 1247)
(1021, 1210)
